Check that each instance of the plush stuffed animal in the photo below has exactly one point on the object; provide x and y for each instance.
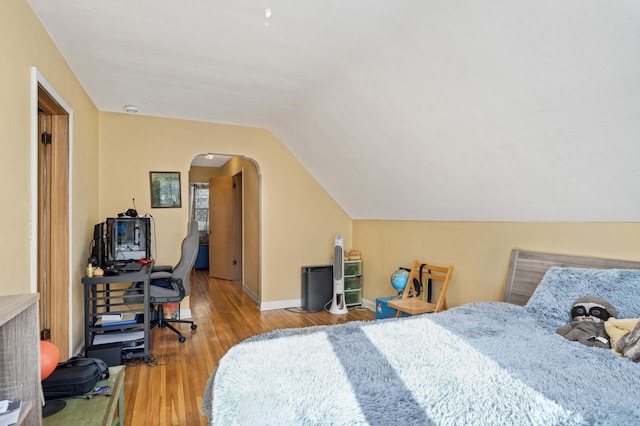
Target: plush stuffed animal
(625, 337)
(588, 316)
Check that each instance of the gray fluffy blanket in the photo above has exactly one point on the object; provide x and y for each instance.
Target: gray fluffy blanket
(479, 364)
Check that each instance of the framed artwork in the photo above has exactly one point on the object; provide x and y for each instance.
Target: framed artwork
(165, 189)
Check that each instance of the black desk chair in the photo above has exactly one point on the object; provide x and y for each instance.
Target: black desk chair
(170, 285)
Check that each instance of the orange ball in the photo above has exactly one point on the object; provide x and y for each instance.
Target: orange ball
(49, 358)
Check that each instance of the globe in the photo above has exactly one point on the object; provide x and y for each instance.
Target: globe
(399, 279)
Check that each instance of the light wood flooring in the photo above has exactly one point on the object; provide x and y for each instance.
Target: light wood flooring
(170, 392)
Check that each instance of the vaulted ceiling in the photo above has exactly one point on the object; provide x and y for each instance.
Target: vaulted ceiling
(494, 110)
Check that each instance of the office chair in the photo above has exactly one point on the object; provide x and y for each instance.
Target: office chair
(170, 285)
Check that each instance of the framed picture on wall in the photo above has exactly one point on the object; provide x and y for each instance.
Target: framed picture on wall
(165, 189)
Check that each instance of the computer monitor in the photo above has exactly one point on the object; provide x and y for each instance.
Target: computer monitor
(128, 238)
(97, 246)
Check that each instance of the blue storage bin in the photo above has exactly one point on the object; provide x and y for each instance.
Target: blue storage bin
(384, 311)
(202, 261)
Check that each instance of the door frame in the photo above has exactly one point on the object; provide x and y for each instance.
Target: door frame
(37, 79)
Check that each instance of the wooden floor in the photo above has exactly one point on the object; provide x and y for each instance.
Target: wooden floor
(170, 392)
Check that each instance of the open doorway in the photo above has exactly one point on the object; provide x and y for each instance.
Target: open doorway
(240, 208)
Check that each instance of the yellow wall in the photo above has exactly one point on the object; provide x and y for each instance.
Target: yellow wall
(252, 256)
(479, 251)
(299, 220)
(25, 43)
(203, 174)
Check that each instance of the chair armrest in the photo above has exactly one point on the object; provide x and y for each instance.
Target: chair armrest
(162, 268)
(160, 275)
(178, 282)
(164, 290)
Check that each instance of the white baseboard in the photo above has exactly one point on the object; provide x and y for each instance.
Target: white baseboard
(293, 303)
(280, 304)
(79, 351)
(368, 304)
(251, 293)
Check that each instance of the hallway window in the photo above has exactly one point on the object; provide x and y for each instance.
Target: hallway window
(201, 209)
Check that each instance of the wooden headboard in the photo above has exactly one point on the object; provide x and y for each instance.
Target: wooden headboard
(526, 269)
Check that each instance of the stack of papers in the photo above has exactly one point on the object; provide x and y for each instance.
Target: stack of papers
(111, 317)
(112, 320)
(9, 412)
(101, 339)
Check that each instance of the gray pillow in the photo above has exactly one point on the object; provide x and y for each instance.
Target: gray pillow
(560, 287)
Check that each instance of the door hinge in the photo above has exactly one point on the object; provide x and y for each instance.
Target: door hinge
(46, 138)
(45, 334)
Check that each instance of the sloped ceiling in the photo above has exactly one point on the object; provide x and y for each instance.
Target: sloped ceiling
(428, 110)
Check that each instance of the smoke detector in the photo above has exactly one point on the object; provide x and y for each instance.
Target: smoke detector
(131, 109)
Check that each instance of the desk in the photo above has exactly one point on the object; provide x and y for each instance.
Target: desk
(97, 301)
(96, 411)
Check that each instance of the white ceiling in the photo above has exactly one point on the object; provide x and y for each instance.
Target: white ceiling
(495, 110)
(207, 160)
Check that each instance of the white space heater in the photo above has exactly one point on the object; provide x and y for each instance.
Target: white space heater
(338, 306)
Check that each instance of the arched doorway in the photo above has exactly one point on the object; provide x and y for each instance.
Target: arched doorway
(244, 207)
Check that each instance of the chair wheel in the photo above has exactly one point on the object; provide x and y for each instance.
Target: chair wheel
(181, 339)
(193, 326)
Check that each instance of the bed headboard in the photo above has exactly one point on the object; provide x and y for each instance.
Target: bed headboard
(526, 269)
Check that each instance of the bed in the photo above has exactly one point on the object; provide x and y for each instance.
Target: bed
(486, 363)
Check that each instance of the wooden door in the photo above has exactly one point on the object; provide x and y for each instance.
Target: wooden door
(53, 222)
(221, 254)
(225, 224)
(238, 232)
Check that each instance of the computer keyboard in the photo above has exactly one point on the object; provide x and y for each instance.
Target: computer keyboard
(131, 267)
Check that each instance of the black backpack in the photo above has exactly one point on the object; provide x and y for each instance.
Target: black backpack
(74, 377)
(417, 283)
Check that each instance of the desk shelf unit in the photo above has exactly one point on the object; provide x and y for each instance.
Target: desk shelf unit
(104, 295)
(20, 355)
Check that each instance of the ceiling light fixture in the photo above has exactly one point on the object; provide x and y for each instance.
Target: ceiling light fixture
(131, 109)
(208, 156)
(267, 15)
